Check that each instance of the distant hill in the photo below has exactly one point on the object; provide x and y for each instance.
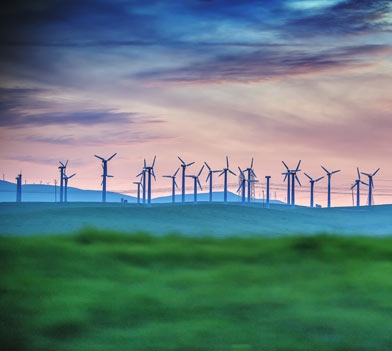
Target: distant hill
(50, 193)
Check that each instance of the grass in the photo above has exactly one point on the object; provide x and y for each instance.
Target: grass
(100, 290)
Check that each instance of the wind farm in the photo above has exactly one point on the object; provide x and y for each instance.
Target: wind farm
(196, 175)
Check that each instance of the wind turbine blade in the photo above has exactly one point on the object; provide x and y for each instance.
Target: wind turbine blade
(232, 172)
(101, 158)
(309, 176)
(112, 156)
(375, 172)
(110, 176)
(144, 163)
(201, 170)
(208, 176)
(153, 162)
(359, 174)
(198, 182)
(175, 183)
(364, 183)
(285, 165)
(175, 173)
(209, 168)
(297, 169)
(251, 164)
(224, 171)
(326, 170)
(140, 174)
(217, 171)
(66, 163)
(227, 162)
(338, 170)
(318, 179)
(297, 179)
(166, 176)
(240, 186)
(190, 164)
(62, 164)
(285, 176)
(241, 173)
(181, 160)
(72, 175)
(366, 174)
(354, 185)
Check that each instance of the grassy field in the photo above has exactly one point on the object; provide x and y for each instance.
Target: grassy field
(202, 219)
(100, 290)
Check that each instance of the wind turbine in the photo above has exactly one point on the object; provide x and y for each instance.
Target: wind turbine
(62, 169)
(357, 185)
(150, 172)
(370, 185)
(225, 171)
(139, 184)
(183, 166)
(19, 187)
(312, 181)
(105, 174)
(291, 173)
(196, 182)
(251, 176)
(209, 176)
(66, 186)
(268, 190)
(242, 185)
(142, 176)
(329, 174)
(174, 184)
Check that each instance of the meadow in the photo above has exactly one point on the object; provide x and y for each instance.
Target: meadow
(105, 290)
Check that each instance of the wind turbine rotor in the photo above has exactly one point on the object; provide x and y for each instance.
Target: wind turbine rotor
(375, 172)
(308, 176)
(338, 170)
(101, 158)
(326, 171)
(182, 161)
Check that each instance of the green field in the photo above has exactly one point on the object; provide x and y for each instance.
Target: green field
(101, 290)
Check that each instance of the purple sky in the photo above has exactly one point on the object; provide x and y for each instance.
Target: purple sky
(273, 80)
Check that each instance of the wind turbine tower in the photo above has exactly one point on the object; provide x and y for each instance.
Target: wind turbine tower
(268, 178)
(209, 177)
(357, 185)
(150, 172)
(370, 185)
(174, 184)
(66, 186)
(291, 176)
(139, 184)
(251, 176)
(19, 187)
(105, 174)
(242, 185)
(312, 181)
(224, 172)
(329, 174)
(196, 182)
(62, 169)
(183, 166)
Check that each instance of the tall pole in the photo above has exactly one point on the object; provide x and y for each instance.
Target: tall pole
(61, 184)
(210, 186)
(292, 190)
(149, 188)
(370, 190)
(65, 189)
(138, 193)
(268, 190)
(358, 194)
(249, 184)
(55, 190)
(288, 188)
(225, 188)
(173, 190)
(329, 190)
(195, 190)
(311, 192)
(183, 184)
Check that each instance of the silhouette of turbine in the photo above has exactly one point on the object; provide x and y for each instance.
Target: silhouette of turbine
(105, 174)
(291, 173)
(139, 184)
(150, 172)
(357, 185)
(66, 186)
(242, 185)
(209, 177)
(19, 187)
(174, 184)
(62, 169)
(268, 191)
(329, 174)
(183, 166)
(251, 176)
(224, 172)
(312, 181)
(196, 182)
(370, 185)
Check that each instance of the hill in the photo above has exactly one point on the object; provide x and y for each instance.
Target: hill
(202, 219)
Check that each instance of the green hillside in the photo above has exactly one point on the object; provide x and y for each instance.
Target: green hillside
(188, 219)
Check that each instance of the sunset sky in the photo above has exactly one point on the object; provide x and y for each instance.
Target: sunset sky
(273, 80)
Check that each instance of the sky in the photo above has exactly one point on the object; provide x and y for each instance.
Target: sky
(201, 79)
